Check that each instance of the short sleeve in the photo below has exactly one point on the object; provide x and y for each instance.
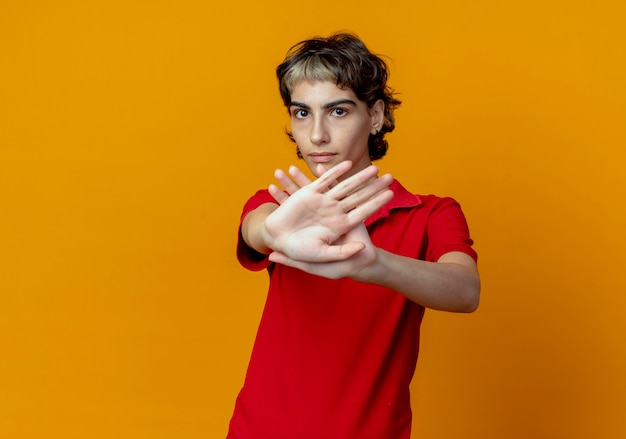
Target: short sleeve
(447, 231)
(247, 256)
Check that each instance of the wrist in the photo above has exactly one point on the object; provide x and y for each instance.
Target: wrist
(254, 229)
(373, 272)
(267, 239)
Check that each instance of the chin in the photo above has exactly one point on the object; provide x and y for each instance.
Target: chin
(314, 166)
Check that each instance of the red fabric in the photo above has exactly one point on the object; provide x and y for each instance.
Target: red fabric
(334, 358)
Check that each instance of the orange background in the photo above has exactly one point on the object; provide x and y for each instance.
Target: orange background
(131, 133)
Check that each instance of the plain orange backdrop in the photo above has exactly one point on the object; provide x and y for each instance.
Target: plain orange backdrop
(131, 133)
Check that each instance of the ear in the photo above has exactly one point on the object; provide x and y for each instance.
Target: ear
(377, 113)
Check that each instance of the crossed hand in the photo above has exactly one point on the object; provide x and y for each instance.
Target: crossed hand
(318, 226)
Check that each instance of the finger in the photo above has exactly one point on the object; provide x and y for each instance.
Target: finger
(307, 267)
(352, 183)
(279, 195)
(369, 190)
(331, 175)
(286, 182)
(329, 270)
(331, 253)
(320, 170)
(368, 208)
(298, 176)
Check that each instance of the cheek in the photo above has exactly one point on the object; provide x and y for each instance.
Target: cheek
(297, 138)
(361, 134)
(297, 132)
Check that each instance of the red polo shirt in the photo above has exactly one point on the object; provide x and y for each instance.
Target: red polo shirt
(334, 358)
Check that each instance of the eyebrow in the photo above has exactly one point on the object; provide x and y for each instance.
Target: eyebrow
(325, 106)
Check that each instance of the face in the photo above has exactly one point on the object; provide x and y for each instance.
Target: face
(331, 124)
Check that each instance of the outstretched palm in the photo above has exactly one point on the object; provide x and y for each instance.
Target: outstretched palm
(314, 219)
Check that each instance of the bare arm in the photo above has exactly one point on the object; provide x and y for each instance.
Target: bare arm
(450, 284)
(253, 229)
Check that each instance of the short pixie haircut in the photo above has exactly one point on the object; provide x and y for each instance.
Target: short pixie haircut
(344, 59)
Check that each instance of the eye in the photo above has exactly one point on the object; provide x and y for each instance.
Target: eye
(299, 113)
(339, 112)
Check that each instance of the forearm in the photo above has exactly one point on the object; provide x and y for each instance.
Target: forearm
(253, 230)
(451, 284)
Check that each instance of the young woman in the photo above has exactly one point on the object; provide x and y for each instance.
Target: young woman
(353, 258)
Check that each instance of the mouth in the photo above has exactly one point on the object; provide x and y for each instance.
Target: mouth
(321, 157)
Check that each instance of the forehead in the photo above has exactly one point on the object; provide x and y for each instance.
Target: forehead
(308, 91)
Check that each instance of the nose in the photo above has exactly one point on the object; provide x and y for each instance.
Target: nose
(319, 132)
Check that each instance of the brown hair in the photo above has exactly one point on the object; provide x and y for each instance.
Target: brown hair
(344, 59)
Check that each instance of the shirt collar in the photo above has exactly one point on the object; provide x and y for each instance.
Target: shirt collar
(402, 198)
